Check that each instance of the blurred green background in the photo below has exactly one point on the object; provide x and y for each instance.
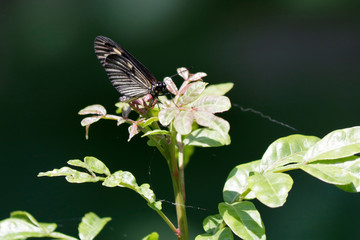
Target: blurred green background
(297, 61)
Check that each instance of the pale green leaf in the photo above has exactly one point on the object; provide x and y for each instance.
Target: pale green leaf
(212, 104)
(91, 225)
(121, 179)
(148, 122)
(188, 152)
(237, 182)
(352, 166)
(151, 236)
(213, 223)
(218, 89)
(286, 150)
(21, 225)
(193, 91)
(93, 109)
(243, 219)
(71, 175)
(337, 144)
(209, 120)
(166, 115)
(205, 137)
(328, 173)
(183, 122)
(222, 234)
(145, 191)
(271, 188)
(95, 165)
(156, 132)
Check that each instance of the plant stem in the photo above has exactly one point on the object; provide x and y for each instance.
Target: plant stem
(167, 220)
(183, 233)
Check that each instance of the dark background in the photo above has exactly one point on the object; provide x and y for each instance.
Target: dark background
(296, 61)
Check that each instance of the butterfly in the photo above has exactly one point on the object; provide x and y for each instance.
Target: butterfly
(130, 78)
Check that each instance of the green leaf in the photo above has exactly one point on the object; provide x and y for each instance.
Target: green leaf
(237, 182)
(209, 120)
(271, 188)
(193, 91)
(218, 89)
(95, 165)
(183, 122)
(205, 137)
(22, 225)
(352, 166)
(188, 152)
(151, 236)
(156, 132)
(91, 225)
(213, 223)
(243, 219)
(148, 122)
(121, 179)
(223, 234)
(212, 104)
(122, 107)
(286, 150)
(70, 174)
(166, 115)
(93, 109)
(337, 144)
(328, 173)
(145, 191)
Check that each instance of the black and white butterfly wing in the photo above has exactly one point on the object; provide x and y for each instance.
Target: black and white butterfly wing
(130, 78)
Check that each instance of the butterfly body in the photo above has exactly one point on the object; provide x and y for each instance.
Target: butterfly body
(130, 78)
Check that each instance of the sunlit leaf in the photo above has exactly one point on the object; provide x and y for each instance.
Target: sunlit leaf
(166, 115)
(133, 130)
(212, 104)
(148, 121)
(95, 165)
(337, 144)
(91, 225)
(222, 234)
(156, 132)
(121, 179)
(183, 72)
(213, 223)
(218, 89)
(193, 91)
(209, 120)
(271, 188)
(197, 76)
(93, 109)
(170, 86)
(205, 137)
(237, 182)
(145, 191)
(151, 236)
(70, 174)
(183, 122)
(21, 225)
(352, 166)
(90, 120)
(328, 173)
(290, 149)
(243, 219)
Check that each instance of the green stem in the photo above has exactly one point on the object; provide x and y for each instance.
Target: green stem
(167, 220)
(183, 231)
